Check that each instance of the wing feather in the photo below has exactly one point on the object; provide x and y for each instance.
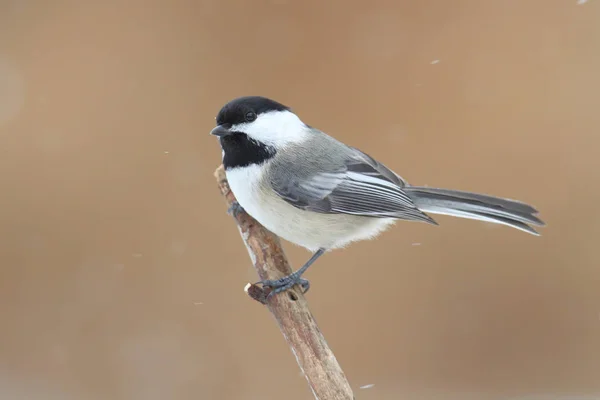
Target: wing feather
(361, 186)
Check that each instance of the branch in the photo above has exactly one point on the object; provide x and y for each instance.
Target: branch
(290, 309)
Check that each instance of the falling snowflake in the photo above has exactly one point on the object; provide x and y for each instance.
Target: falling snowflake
(369, 386)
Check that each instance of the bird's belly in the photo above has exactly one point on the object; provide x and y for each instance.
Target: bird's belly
(304, 228)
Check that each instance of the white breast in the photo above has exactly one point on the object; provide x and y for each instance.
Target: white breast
(304, 228)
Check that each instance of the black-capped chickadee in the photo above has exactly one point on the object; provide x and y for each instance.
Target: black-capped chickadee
(314, 191)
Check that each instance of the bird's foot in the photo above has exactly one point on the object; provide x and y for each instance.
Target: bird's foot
(285, 283)
(235, 209)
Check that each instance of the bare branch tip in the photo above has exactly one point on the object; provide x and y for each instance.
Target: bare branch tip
(256, 293)
(220, 173)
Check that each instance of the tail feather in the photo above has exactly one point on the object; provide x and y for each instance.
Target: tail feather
(475, 206)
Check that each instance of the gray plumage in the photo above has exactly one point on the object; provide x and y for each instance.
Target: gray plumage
(357, 184)
(354, 183)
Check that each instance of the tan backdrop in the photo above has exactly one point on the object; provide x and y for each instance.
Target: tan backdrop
(121, 275)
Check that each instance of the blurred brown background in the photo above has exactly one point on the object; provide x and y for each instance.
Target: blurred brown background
(121, 274)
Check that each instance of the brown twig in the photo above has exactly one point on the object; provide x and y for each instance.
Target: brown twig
(290, 309)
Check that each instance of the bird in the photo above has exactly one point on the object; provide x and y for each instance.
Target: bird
(312, 190)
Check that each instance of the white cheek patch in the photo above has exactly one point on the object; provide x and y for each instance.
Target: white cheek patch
(275, 128)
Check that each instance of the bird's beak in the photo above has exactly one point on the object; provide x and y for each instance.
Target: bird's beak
(220, 131)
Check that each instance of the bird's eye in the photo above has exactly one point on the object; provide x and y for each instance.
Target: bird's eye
(250, 116)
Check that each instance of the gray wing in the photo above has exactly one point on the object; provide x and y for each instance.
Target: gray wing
(358, 186)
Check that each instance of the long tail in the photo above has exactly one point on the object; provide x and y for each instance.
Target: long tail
(475, 206)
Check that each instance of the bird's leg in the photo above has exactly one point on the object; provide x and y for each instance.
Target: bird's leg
(235, 209)
(295, 278)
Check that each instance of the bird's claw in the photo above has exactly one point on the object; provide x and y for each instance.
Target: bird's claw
(235, 209)
(285, 283)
